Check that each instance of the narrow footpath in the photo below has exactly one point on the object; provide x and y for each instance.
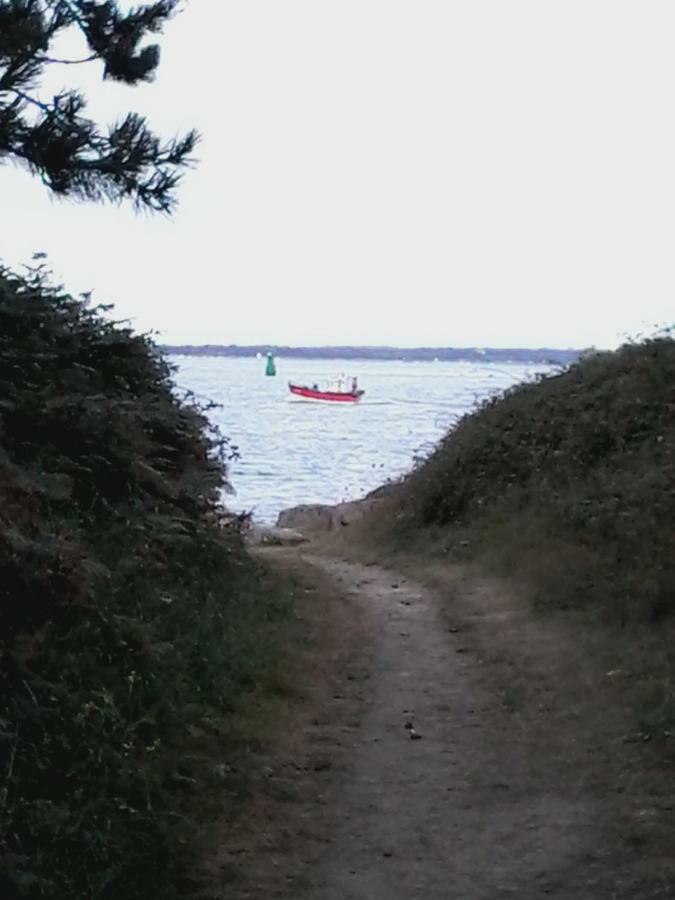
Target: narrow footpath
(410, 778)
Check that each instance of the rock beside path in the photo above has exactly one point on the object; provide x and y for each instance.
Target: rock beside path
(274, 536)
(311, 517)
(315, 517)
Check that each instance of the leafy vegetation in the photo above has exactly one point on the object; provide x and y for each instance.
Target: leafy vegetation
(129, 611)
(568, 482)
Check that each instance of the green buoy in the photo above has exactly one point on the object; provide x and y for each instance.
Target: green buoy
(271, 368)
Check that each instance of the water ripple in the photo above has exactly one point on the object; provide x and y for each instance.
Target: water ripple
(301, 452)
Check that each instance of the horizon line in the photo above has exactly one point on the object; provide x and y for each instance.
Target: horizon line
(426, 347)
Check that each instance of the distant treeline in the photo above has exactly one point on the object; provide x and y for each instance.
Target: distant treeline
(544, 355)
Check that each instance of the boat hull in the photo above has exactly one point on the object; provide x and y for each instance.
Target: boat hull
(326, 396)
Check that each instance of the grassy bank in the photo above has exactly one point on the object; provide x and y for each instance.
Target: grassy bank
(567, 483)
(130, 613)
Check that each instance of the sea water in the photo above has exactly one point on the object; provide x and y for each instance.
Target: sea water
(292, 451)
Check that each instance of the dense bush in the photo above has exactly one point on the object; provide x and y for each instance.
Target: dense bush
(573, 476)
(128, 608)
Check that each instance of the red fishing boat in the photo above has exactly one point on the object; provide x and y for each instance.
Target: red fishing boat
(341, 390)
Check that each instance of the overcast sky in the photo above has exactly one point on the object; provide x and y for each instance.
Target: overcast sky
(474, 173)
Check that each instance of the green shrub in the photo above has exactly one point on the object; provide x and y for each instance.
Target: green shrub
(571, 479)
(128, 607)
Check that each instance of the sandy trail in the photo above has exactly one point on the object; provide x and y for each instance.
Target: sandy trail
(485, 804)
(457, 813)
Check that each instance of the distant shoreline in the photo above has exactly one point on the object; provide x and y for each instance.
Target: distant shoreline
(542, 355)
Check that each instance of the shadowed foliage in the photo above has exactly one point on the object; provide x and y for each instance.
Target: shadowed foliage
(129, 611)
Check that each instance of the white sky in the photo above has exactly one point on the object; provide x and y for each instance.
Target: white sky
(474, 173)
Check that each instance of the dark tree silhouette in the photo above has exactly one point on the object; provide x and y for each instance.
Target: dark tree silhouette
(54, 138)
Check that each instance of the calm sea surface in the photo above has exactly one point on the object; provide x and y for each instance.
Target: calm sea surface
(302, 452)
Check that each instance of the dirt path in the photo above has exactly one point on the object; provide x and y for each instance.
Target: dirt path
(457, 812)
(472, 803)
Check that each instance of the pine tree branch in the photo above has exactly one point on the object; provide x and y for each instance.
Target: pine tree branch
(33, 101)
(67, 150)
(67, 62)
